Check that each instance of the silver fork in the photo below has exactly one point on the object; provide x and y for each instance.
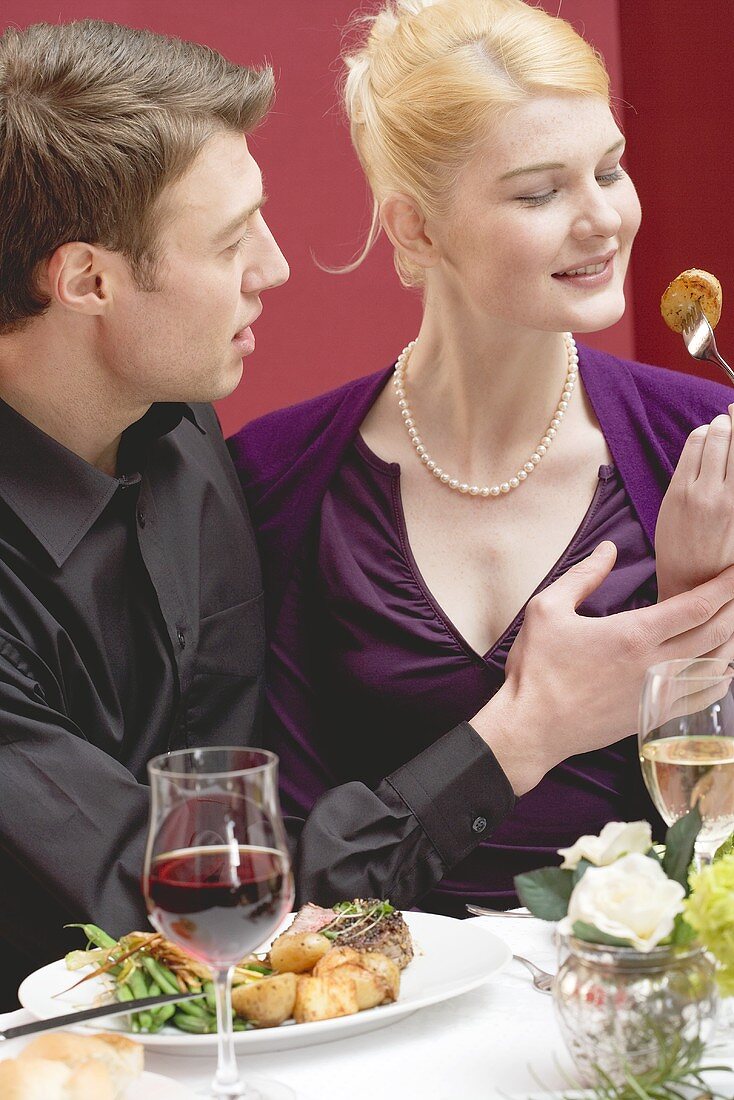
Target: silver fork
(542, 980)
(698, 337)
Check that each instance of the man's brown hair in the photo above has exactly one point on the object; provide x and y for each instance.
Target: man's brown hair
(95, 120)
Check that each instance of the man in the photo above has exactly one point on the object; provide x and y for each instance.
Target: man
(133, 253)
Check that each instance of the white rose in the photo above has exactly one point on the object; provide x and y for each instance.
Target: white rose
(617, 838)
(632, 899)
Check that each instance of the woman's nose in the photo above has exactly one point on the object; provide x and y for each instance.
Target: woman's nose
(597, 216)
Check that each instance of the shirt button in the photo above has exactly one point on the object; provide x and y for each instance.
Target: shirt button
(479, 824)
(181, 638)
(141, 519)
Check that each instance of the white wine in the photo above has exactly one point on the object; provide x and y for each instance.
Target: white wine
(683, 772)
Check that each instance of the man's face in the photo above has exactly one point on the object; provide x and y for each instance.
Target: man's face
(185, 340)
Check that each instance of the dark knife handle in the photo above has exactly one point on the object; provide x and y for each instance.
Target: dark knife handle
(117, 1008)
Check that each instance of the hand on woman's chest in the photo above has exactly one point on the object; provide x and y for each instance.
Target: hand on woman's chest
(481, 560)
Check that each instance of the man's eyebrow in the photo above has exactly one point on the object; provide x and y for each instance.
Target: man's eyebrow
(241, 218)
(547, 165)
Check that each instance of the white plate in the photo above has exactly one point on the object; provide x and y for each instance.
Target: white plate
(451, 957)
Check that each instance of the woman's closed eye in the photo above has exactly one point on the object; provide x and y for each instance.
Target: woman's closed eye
(605, 179)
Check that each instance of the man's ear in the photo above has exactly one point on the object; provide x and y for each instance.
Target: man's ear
(78, 277)
(405, 224)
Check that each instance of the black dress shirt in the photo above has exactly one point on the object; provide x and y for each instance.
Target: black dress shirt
(131, 623)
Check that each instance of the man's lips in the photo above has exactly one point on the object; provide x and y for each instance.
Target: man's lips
(243, 339)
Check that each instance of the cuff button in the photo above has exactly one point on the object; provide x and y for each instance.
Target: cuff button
(479, 824)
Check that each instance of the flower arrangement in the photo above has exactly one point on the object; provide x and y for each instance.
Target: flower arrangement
(619, 889)
(709, 910)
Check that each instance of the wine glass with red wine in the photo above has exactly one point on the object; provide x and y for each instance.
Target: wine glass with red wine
(217, 874)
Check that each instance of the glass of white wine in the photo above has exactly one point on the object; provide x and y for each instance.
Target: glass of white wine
(686, 740)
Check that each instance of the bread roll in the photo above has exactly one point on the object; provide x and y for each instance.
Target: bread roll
(122, 1058)
(40, 1079)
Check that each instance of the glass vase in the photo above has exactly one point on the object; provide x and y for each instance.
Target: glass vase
(619, 1008)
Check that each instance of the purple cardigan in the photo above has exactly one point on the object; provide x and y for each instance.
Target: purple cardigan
(286, 459)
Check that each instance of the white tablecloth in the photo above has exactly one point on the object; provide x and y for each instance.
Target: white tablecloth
(495, 1042)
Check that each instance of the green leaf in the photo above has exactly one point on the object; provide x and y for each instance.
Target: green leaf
(589, 933)
(545, 892)
(682, 931)
(725, 849)
(679, 843)
(581, 869)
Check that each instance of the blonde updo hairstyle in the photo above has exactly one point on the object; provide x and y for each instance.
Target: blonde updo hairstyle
(430, 77)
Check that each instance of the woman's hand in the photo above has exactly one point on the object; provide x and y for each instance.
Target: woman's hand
(694, 537)
(573, 682)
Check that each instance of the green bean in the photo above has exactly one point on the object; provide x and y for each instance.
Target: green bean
(161, 1016)
(211, 997)
(95, 935)
(139, 987)
(197, 1008)
(161, 974)
(238, 1024)
(204, 1026)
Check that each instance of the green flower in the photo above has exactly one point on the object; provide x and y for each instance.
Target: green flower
(710, 912)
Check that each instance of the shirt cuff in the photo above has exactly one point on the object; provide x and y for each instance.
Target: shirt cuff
(457, 791)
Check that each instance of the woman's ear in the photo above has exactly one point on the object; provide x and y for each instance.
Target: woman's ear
(78, 278)
(405, 225)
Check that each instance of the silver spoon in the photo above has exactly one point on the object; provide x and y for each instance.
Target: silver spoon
(542, 980)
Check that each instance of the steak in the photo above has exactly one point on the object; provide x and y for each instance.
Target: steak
(311, 918)
(389, 936)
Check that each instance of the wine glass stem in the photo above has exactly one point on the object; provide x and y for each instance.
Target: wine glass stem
(227, 1083)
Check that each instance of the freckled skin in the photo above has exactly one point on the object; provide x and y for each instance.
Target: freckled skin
(500, 253)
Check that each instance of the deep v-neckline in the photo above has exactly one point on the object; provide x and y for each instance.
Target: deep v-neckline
(393, 470)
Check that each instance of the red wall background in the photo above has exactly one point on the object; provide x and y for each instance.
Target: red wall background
(321, 329)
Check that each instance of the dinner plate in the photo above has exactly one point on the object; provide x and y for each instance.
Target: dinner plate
(451, 957)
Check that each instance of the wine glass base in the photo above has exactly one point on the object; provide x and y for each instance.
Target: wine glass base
(253, 1088)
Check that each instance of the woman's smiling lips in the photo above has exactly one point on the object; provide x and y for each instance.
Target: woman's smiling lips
(596, 272)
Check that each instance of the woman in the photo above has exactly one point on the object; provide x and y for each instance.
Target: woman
(407, 519)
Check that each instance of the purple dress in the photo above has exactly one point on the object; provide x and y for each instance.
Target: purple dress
(369, 683)
(391, 658)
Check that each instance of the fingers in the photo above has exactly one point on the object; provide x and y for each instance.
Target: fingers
(582, 579)
(690, 612)
(715, 455)
(713, 636)
(689, 463)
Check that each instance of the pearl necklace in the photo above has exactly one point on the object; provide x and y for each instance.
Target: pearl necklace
(535, 457)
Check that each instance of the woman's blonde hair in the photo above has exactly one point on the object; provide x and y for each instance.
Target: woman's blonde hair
(429, 77)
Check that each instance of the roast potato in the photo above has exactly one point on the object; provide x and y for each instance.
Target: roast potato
(386, 968)
(687, 289)
(268, 1002)
(372, 989)
(338, 956)
(298, 952)
(324, 998)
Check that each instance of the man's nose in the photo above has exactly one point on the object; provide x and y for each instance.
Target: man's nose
(273, 266)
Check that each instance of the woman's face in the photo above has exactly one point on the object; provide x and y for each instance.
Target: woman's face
(544, 217)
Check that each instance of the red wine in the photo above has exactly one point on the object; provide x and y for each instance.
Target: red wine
(219, 903)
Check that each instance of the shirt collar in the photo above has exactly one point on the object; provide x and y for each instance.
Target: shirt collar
(58, 495)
